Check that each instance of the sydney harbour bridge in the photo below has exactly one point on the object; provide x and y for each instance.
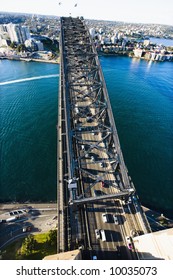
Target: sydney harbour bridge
(98, 207)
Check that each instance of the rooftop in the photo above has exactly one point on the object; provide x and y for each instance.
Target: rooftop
(157, 245)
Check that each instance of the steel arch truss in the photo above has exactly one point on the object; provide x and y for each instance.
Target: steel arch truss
(94, 153)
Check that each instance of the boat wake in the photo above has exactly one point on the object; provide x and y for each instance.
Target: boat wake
(28, 79)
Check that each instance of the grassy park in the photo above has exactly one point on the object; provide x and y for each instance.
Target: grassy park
(32, 247)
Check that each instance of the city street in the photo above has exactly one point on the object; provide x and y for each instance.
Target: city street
(35, 218)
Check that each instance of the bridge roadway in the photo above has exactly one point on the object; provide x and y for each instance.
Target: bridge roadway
(90, 161)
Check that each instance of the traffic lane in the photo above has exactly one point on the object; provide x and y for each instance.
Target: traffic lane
(99, 225)
(96, 169)
(112, 231)
(111, 207)
(131, 222)
(17, 206)
(7, 231)
(121, 230)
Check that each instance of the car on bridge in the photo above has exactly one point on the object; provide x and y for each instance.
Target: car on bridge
(129, 242)
(97, 233)
(115, 218)
(117, 250)
(105, 218)
(103, 235)
(98, 192)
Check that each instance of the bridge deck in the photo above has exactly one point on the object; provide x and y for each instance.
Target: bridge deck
(89, 150)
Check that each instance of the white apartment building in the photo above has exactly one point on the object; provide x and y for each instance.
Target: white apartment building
(114, 39)
(92, 32)
(101, 30)
(11, 32)
(138, 52)
(3, 28)
(35, 45)
(3, 43)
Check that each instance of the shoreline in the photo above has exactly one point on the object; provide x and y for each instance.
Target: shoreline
(54, 61)
(57, 61)
(133, 56)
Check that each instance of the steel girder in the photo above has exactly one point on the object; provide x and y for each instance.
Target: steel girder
(89, 111)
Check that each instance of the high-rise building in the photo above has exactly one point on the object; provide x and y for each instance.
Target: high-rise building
(92, 32)
(25, 33)
(3, 28)
(17, 33)
(11, 32)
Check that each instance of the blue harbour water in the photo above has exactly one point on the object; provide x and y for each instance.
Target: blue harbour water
(162, 41)
(28, 130)
(141, 95)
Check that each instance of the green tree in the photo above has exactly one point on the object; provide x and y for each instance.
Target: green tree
(21, 47)
(52, 238)
(30, 244)
(13, 45)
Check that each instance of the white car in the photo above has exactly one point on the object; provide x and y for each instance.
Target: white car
(105, 218)
(97, 233)
(129, 242)
(92, 158)
(103, 235)
(115, 220)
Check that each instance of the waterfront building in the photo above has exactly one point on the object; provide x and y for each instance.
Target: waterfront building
(148, 55)
(34, 45)
(3, 43)
(153, 55)
(160, 57)
(138, 53)
(39, 45)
